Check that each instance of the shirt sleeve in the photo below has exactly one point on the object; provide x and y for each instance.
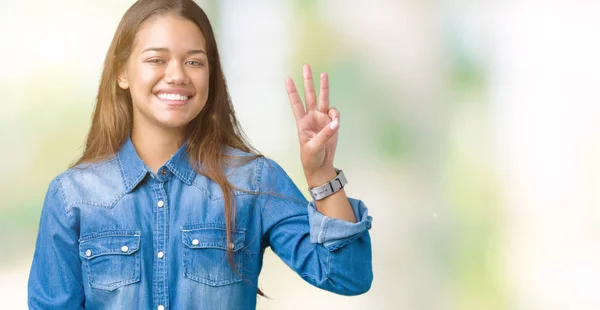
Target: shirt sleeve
(331, 254)
(55, 280)
(335, 233)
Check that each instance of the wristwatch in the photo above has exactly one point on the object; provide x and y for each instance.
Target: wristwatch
(329, 188)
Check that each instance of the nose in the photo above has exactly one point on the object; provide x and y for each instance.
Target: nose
(175, 74)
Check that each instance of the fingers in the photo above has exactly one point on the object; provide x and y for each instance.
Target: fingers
(325, 134)
(333, 113)
(309, 94)
(324, 94)
(309, 89)
(295, 101)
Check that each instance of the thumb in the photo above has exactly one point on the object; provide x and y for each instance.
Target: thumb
(325, 134)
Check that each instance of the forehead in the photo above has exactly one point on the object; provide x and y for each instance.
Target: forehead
(171, 31)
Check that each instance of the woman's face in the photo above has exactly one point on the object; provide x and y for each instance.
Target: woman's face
(167, 73)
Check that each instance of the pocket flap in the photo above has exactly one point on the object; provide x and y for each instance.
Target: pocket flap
(123, 244)
(211, 237)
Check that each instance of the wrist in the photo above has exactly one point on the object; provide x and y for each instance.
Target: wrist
(320, 177)
(329, 187)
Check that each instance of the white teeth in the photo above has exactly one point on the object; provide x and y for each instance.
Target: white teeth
(172, 97)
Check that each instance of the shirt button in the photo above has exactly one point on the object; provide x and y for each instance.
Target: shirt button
(161, 204)
(164, 171)
(195, 242)
(161, 307)
(231, 245)
(88, 253)
(124, 248)
(161, 254)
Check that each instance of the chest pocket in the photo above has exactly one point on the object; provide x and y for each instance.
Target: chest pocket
(205, 254)
(111, 259)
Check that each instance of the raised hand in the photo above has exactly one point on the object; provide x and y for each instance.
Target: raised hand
(317, 127)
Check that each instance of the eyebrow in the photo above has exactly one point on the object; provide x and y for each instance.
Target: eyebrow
(164, 49)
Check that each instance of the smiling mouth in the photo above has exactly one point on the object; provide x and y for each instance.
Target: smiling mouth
(173, 99)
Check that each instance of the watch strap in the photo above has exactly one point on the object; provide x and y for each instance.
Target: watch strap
(329, 188)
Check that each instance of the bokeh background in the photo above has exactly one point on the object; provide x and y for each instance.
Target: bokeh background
(471, 129)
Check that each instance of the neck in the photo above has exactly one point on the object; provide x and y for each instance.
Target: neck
(155, 147)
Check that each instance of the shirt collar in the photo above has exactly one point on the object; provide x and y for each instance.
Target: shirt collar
(133, 169)
(180, 165)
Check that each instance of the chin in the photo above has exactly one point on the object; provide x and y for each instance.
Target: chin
(174, 123)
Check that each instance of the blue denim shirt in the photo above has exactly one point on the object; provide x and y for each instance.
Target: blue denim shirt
(118, 236)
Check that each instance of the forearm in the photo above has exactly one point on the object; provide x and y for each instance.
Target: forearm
(336, 205)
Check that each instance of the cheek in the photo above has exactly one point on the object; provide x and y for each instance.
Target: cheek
(145, 79)
(201, 81)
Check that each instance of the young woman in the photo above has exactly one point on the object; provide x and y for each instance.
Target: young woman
(169, 207)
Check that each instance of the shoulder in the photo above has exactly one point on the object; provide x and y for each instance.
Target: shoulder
(91, 183)
(244, 170)
(257, 166)
(268, 175)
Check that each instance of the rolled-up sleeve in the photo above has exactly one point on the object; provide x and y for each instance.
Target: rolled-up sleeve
(334, 255)
(335, 233)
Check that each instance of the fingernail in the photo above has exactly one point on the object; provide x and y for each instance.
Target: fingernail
(334, 125)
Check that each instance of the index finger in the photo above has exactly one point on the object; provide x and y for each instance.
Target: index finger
(294, 97)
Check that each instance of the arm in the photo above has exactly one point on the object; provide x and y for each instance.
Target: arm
(323, 242)
(336, 205)
(318, 133)
(329, 253)
(55, 279)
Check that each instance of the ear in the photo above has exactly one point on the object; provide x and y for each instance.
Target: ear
(122, 79)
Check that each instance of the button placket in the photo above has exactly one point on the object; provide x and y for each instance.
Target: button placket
(161, 228)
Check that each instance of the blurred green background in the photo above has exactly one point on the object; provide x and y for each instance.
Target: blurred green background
(470, 129)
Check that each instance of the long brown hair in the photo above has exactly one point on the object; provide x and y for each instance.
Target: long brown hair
(213, 129)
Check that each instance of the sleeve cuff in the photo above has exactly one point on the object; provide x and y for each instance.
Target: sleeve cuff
(335, 233)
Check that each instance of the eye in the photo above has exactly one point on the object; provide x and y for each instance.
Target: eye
(156, 61)
(195, 63)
